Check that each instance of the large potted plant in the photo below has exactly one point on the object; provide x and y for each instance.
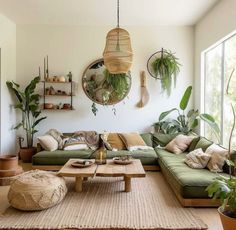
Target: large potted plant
(186, 121)
(224, 188)
(28, 104)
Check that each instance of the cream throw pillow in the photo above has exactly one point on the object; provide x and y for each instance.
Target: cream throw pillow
(48, 142)
(218, 156)
(179, 144)
(197, 159)
(133, 141)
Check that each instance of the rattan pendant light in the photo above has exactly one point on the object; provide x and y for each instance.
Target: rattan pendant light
(118, 54)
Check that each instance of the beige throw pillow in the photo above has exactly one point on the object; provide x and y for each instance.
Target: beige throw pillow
(179, 144)
(115, 142)
(133, 141)
(48, 142)
(197, 159)
(218, 156)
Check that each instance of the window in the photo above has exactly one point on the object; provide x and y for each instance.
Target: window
(219, 63)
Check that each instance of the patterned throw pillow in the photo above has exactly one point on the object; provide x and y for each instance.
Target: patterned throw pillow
(75, 143)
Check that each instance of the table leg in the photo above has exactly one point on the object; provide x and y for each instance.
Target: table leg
(78, 184)
(127, 184)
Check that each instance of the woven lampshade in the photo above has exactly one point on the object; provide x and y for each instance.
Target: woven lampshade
(118, 54)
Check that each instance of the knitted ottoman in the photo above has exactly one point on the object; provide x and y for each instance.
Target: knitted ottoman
(36, 190)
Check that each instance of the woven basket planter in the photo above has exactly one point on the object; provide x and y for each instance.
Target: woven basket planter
(118, 54)
(36, 190)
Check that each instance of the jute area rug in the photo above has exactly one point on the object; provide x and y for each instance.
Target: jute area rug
(103, 205)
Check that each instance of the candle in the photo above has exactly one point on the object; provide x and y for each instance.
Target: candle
(101, 156)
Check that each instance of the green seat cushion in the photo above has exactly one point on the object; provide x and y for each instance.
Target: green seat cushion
(59, 157)
(188, 182)
(147, 157)
(147, 137)
(162, 139)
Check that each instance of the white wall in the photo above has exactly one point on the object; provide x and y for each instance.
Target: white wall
(217, 24)
(72, 48)
(8, 72)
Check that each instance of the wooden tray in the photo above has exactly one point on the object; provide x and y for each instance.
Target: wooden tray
(79, 164)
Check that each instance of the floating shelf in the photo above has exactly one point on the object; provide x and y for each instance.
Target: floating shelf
(59, 109)
(56, 95)
(66, 82)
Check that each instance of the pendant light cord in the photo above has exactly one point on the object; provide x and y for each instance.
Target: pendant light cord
(118, 13)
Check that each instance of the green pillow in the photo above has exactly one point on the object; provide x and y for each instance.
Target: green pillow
(193, 144)
(147, 137)
(162, 139)
(203, 143)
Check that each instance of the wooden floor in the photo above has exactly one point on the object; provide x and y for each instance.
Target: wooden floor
(208, 215)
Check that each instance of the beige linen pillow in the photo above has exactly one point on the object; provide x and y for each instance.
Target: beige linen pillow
(197, 159)
(179, 144)
(218, 156)
(48, 142)
(133, 141)
(115, 142)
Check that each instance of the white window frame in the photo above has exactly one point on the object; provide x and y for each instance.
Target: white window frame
(203, 82)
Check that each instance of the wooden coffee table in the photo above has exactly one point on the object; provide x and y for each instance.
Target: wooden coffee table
(133, 170)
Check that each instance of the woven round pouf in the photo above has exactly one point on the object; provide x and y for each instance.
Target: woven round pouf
(36, 190)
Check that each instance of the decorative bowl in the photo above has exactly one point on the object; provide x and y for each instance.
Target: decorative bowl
(48, 106)
(122, 160)
(82, 163)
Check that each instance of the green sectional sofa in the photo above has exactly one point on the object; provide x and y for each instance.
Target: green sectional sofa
(188, 184)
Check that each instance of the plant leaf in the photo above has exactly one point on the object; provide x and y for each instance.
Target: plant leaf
(166, 113)
(37, 121)
(185, 99)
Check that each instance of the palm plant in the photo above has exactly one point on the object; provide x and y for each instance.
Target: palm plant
(186, 121)
(28, 104)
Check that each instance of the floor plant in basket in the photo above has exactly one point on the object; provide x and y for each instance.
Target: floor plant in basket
(28, 104)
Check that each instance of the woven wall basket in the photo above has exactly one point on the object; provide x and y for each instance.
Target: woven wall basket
(118, 54)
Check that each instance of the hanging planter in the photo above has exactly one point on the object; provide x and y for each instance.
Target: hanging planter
(118, 54)
(164, 65)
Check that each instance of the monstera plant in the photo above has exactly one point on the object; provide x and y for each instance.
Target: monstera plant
(28, 104)
(186, 121)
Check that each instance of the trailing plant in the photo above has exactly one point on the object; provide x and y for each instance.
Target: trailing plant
(28, 104)
(166, 68)
(186, 121)
(224, 188)
(115, 88)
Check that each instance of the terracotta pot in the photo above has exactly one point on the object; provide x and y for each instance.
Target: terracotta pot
(228, 223)
(8, 162)
(27, 153)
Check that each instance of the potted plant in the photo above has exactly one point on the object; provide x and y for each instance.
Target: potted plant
(224, 188)
(186, 121)
(166, 68)
(28, 104)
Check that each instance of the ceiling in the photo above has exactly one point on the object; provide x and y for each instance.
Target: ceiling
(103, 12)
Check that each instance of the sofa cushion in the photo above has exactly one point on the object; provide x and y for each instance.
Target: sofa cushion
(147, 157)
(179, 144)
(162, 139)
(59, 157)
(147, 137)
(203, 144)
(188, 182)
(193, 144)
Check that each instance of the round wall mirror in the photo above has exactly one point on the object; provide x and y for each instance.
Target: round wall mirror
(102, 87)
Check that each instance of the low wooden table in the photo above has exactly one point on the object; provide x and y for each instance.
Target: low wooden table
(133, 170)
(79, 173)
